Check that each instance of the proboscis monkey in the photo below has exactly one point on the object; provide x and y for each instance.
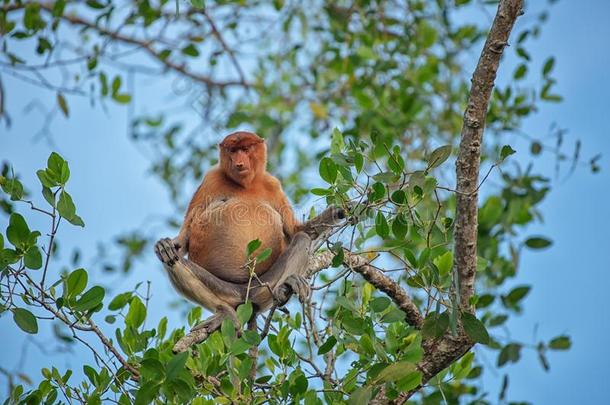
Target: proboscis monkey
(237, 202)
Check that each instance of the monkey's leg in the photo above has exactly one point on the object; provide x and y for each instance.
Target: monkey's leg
(196, 283)
(286, 275)
(201, 287)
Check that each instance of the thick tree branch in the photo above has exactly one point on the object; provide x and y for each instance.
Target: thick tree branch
(469, 155)
(440, 353)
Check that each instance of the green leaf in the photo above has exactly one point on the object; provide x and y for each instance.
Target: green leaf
(520, 72)
(321, 191)
(399, 197)
(122, 98)
(377, 192)
(560, 343)
(244, 312)
(66, 206)
(328, 170)
(190, 50)
(435, 325)
(379, 304)
(55, 164)
(327, 346)
(33, 258)
(14, 188)
(366, 53)
(395, 315)
(548, 66)
(400, 226)
(76, 220)
(238, 347)
(91, 299)
(538, 242)
(475, 328)
(444, 263)
(361, 396)
(116, 84)
(518, 293)
(136, 314)
(76, 282)
(505, 152)
(536, 148)
(176, 365)
(48, 196)
(264, 255)
(336, 142)
(18, 232)
(511, 353)
(251, 337)
(25, 320)
(63, 105)
(410, 382)
(45, 179)
(395, 371)
(358, 162)
(381, 225)
(252, 246)
(147, 393)
(438, 156)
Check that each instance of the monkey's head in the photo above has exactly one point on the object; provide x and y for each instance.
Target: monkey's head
(243, 155)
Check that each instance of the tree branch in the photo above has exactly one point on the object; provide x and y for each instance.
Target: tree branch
(382, 282)
(440, 353)
(146, 45)
(469, 155)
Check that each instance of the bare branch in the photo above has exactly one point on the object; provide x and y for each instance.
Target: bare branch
(141, 43)
(469, 155)
(226, 47)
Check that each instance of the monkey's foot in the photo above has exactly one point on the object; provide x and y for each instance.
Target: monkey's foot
(166, 252)
(294, 283)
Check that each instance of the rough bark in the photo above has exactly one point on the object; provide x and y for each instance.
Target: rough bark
(469, 155)
(440, 353)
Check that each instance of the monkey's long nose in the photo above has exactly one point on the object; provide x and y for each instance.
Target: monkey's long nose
(239, 165)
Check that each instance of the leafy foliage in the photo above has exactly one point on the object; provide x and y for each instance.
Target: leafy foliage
(377, 91)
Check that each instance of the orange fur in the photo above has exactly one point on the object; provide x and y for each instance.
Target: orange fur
(238, 201)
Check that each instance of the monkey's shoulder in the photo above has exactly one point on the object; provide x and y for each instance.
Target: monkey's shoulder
(271, 184)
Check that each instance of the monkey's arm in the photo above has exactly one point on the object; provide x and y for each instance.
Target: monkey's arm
(199, 203)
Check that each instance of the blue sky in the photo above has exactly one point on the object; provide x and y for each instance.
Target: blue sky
(114, 193)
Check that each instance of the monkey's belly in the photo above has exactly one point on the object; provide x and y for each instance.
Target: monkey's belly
(220, 235)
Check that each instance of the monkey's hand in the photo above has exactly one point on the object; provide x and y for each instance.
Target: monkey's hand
(166, 252)
(294, 283)
(181, 244)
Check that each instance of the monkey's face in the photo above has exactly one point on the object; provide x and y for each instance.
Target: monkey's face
(242, 156)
